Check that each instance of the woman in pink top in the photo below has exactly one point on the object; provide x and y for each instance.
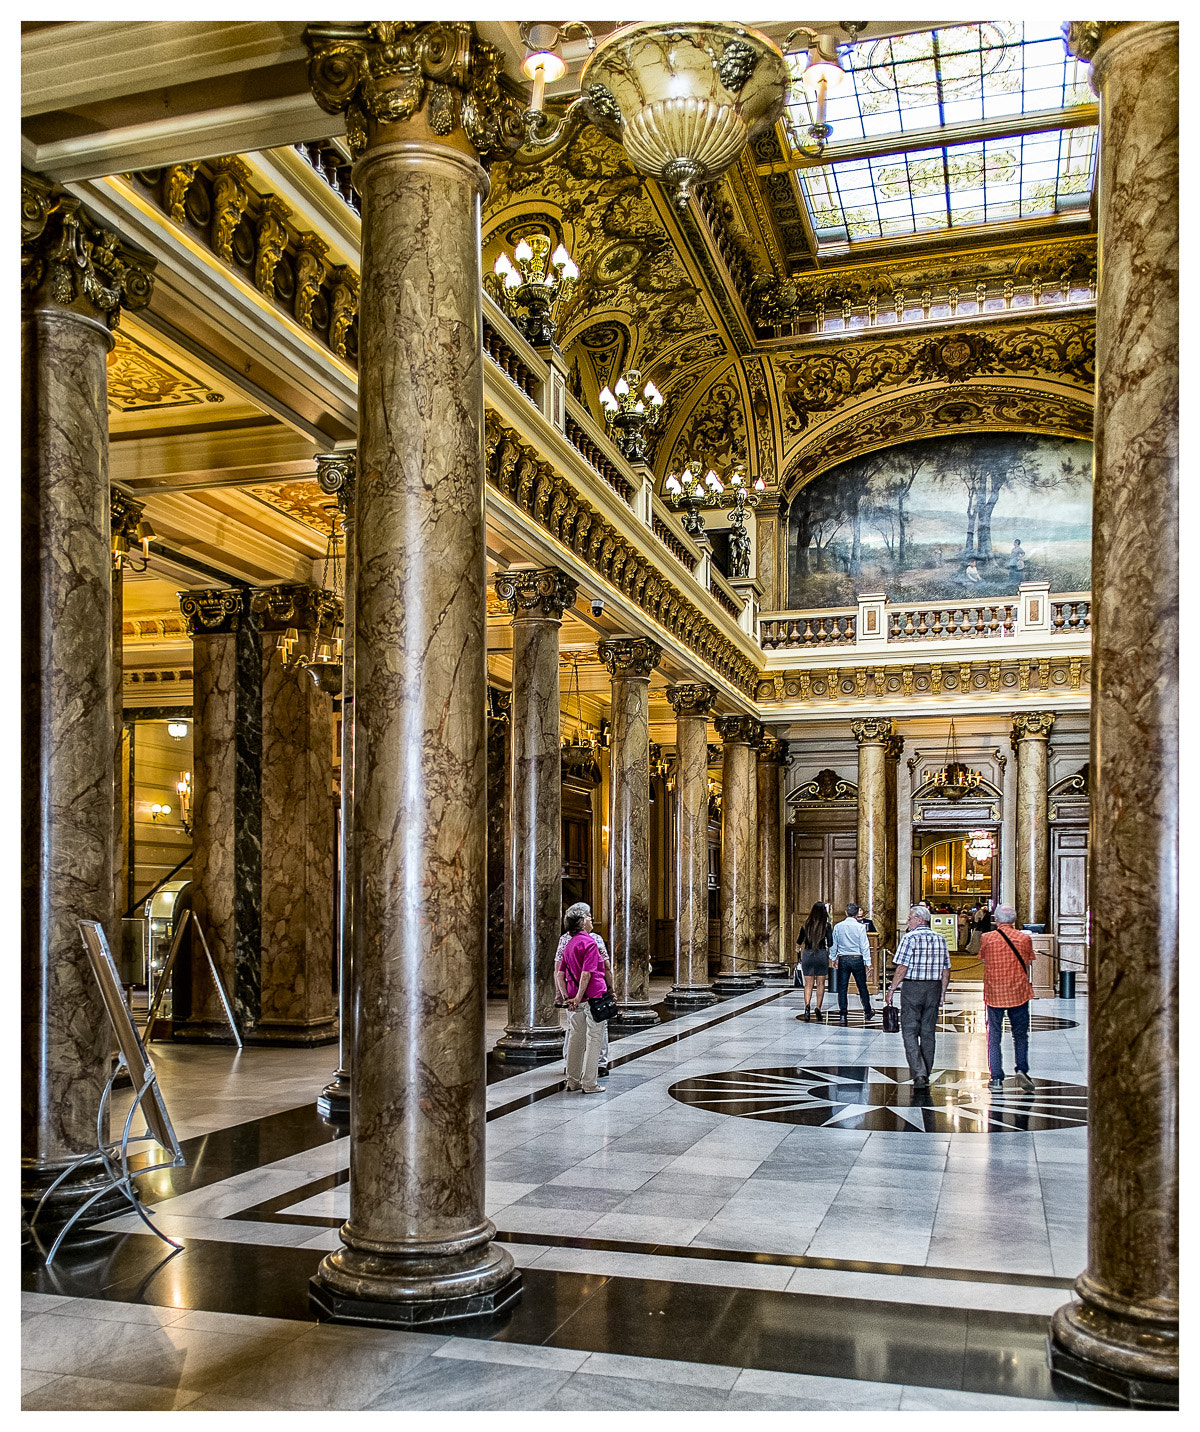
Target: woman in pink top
(583, 975)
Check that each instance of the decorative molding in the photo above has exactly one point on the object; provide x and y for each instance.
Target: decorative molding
(773, 751)
(913, 681)
(70, 262)
(872, 731)
(533, 593)
(125, 513)
(336, 476)
(499, 705)
(629, 656)
(1032, 726)
(824, 787)
(692, 699)
(139, 379)
(894, 748)
(215, 612)
(1077, 784)
(272, 236)
(739, 730)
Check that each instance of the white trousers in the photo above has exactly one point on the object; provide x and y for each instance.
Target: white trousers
(567, 1039)
(584, 1040)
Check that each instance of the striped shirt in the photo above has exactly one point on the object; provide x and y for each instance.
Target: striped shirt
(924, 952)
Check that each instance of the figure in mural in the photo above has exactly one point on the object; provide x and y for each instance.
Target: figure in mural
(940, 518)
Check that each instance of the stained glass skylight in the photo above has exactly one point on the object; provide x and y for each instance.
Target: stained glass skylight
(933, 79)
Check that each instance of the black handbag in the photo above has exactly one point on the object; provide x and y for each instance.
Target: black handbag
(603, 1007)
(891, 1019)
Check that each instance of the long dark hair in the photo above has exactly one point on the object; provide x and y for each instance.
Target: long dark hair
(815, 927)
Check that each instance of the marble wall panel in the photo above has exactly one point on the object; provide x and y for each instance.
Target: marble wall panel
(629, 841)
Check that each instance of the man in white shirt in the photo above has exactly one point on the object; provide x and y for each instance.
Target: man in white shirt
(851, 954)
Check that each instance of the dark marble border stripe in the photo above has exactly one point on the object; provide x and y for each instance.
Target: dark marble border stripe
(852, 1338)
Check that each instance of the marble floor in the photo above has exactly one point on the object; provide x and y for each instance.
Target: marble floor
(807, 1231)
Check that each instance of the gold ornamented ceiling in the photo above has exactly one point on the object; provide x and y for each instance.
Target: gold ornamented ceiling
(139, 379)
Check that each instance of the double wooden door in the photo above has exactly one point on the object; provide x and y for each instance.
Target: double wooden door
(822, 865)
(1069, 894)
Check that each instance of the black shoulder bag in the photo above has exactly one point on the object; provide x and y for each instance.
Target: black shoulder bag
(603, 1007)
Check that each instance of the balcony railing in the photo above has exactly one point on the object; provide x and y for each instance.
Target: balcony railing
(934, 623)
(797, 629)
(1071, 613)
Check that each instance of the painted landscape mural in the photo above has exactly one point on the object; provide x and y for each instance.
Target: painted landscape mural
(945, 519)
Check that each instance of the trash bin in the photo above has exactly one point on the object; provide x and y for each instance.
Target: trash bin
(1066, 984)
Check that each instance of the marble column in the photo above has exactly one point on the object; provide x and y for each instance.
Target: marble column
(1031, 742)
(417, 1246)
(891, 773)
(739, 852)
(904, 834)
(1123, 1333)
(630, 660)
(125, 514)
(873, 735)
(537, 600)
(1008, 829)
(219, 754)
(335, 475)
(498, 725)
(75, 279)
(772, 758)
(692, 705)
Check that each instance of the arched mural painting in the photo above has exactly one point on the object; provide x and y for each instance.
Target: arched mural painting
(945, 519)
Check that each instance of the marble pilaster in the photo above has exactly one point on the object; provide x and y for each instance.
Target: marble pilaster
(75, 278)
(692, 705)
(772, 758)
(537, 600)
(739, 852)
(498, 727)
(417, 1246)
(630, 660)
(1031, 742)
(893, 752)
(873, 735)
(904, 833)
(1122, 1336)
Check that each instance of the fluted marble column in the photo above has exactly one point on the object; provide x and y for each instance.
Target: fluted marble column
(335, 475)
(417, 1246)
(630, 660)
(739, 852)
(692, 705)
(1123, 1334)
(1031, 742)
(537, 600)
(772, 758)
(75, 278)
(873, 735)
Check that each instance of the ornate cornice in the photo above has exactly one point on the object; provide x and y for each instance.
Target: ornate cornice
(295, 604)
(1032, 726)
(72, 263)
(692, 699)
(738, 730)
(629, 655)
(918, 681)
(872, 731)
(826, 785)
(382, 74)
(336, 475)
(215, 612)
(544, 593)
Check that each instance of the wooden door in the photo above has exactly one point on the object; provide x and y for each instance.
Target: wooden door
(1069, 894)
(821, 866)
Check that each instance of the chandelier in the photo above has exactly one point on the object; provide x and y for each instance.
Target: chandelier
(822, 76)
(980, 846)
(532, 282)
(579, 751)
(955, 779)
(630, 411)
(325, 664)
(690, 491)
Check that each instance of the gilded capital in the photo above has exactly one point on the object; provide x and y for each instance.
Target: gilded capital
(1032, 726)
(739, 730)
(434, 78)
(772, 751)
(72, 263)
(336, 472)
(124, 513)
(215, 612)
(295, 604)
(499, 705)
(532, 592)
(894, 747)
(872, 730)
(695, 699)
(629, 655)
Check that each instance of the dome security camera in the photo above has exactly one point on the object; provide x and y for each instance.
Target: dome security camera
(597, 606)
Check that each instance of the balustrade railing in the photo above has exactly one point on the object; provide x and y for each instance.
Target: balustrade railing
(672, 543)
(939, 623)
(591, 453)
(723, 599)
(508, 360)
(793, 629)
(1071, 614)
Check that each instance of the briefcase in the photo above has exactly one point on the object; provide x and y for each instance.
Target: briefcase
(891, 1019)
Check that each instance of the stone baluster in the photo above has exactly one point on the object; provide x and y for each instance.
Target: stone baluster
(1123, 1334)
(692, 705)
(630, 660)
(739, 850)
(1031, 742)
(772, 760)
(537, 600)
(873, 735)
(75, 279)
(417, 1245)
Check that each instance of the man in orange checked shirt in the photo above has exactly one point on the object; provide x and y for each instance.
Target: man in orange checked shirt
(1007, 955)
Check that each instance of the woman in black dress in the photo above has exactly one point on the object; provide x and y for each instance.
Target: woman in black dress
(812, 944)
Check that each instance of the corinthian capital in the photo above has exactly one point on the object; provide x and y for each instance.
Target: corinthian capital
(533, 593)
(1032, 725)
(629, 655)
(384, 73)
(69, 262)
(772, 751)
(215, 612)
(336, 472)
(739, 730)
(872, 730)
(692, 700)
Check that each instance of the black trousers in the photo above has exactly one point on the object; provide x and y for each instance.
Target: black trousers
(855, 965)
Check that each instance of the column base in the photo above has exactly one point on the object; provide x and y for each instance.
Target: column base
(635, 1016)
(690, 997)
(735, 982)
(1131, 1358)
(772, 972)
(293, 1036)
(530, 1046)
(402, 1291)
(333, 1102)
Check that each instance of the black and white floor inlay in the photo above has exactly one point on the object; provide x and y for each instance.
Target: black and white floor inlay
(953, 1021)
(883, 1098)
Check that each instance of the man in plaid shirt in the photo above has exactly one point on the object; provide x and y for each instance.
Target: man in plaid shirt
(1007, 990)
(923, 964)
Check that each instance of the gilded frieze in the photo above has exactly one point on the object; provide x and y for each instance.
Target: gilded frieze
(917, 681)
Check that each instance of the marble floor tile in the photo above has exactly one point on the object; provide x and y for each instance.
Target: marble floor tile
(652, 1369)
(107, 1311)
(674, 1180)
(714, 1272)
(595, 1392)
(942, 1292)
(946, 1399)
(514, 1353)
(566, 1222)
(842, 1394)
(102, 1394)
(459, 1384)
(564, 1196)
(741, 1168)
(640, 1228)
(670, 1204)
(615, 1178)
(641, 1159)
